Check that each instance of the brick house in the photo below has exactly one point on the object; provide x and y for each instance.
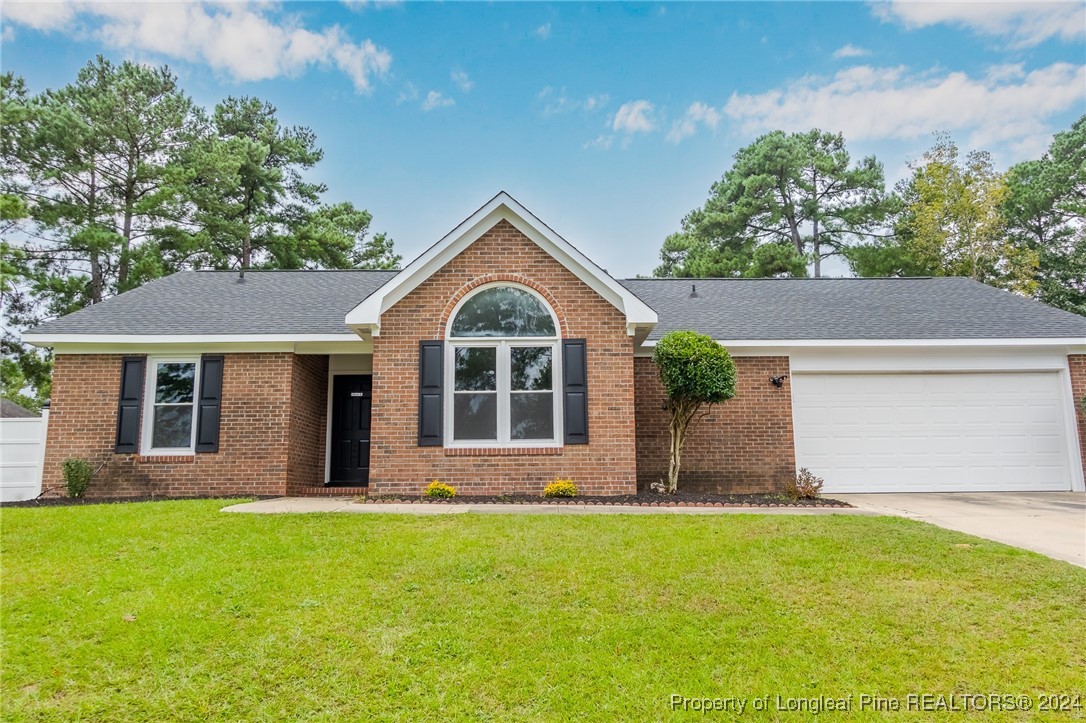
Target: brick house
(503, 358)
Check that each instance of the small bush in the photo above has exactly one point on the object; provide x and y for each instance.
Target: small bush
(439, 491)
(77, 475)
(560, 488)
(805, 486)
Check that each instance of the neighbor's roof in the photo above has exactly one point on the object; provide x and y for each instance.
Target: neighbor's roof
(911, 308)
(11, 410)
(316, 302)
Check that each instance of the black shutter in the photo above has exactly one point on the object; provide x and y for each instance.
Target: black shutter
(575, 391)
(209, 403)
(129, 405)
(431, 374)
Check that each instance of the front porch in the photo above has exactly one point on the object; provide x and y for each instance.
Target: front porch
(331, 408)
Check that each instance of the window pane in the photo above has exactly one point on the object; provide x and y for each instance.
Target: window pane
(531, 368)
(531, 416)
(476, 369)
(475, 416)
(503, 311)
(174, 382)
(173, 427)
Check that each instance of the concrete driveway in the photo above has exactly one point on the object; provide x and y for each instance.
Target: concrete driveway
(1051, 523)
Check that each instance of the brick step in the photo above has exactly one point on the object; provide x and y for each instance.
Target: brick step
(327, 491)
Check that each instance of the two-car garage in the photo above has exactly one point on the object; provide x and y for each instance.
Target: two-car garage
(940, 430)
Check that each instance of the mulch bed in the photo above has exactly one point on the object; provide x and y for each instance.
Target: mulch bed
(76, 501)
(643, 499)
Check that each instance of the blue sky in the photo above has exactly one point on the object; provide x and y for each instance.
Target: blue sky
(609, 121)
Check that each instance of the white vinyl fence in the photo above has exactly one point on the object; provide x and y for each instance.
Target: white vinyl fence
(22, 452)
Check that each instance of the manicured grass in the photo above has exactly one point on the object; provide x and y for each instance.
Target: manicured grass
(173, 610)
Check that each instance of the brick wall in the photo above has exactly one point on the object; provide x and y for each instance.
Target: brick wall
(1077, 364)
(255, 440)
(604, 466)
(745, 445)
(308, 409)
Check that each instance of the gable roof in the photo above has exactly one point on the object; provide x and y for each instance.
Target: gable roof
(865, 308)
(309, 304)
(366, 317)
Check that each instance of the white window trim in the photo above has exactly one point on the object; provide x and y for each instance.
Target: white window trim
(503, 370)
(147, 431)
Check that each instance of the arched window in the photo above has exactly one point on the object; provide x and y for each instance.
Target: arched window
(502, 369)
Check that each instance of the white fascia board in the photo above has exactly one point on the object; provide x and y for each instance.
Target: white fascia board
(366, 317)
(1073, 344)
(151, 340)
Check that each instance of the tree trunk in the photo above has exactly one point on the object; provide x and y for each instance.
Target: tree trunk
(793, 229)
(97, 283)
(247, 246)
(677, 425)
(96, 277)
(816, 247)
(126, 240)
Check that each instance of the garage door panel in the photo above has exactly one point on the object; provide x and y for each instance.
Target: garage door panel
(932, 432)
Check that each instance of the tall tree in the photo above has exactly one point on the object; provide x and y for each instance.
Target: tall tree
(952, 223)
(252, 206)
(83, 168)
(799, 195)
(118, 178)
(88, 162)
(1045, 211)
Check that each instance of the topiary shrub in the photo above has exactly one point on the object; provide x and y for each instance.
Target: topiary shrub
(696, 373)
(77, 475)
(560, 488)
(805, 486)
(439, 491)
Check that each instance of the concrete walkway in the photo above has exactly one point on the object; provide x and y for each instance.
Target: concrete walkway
(346, 504)
(1051, 523)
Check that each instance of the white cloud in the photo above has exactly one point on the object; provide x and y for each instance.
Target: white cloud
(362, 5)
(544, 31)
(462, 81)
(595, 102)
(697, 114)
(435, 99)
(850, 51)
(1023, 23)
(38, 15)
(557, 100)
(408, 93)
(637, 116)
(247, 42)
(603, 142)
(1008, 105)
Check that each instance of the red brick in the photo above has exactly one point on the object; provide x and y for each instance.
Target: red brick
(744, 445)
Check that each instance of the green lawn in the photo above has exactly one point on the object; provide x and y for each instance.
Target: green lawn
(173, 610)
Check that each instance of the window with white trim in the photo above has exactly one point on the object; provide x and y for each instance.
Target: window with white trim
(502, 370)
(169, 413)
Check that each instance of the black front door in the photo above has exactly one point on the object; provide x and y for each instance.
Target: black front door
(352, 398)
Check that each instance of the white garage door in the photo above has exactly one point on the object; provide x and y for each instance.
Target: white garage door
(932, 432)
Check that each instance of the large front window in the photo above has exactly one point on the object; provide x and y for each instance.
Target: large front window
(503, 345)
(168, 418)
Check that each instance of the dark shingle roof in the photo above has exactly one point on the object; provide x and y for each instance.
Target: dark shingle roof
(214, 302)
(916, 308)
(11, 410)
(315, 302)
